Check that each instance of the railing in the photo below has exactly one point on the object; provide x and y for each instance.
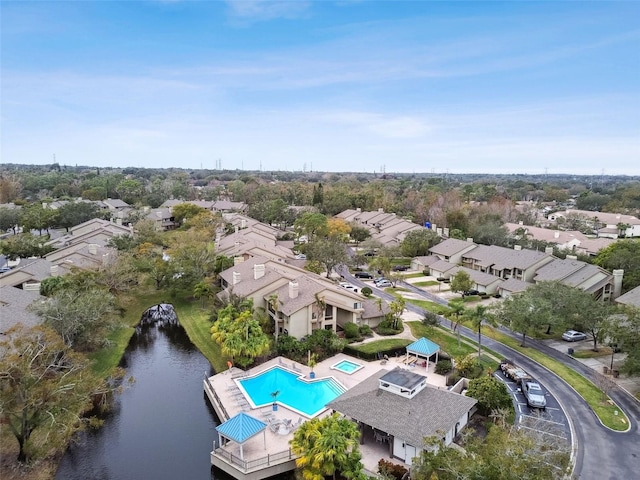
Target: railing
(217, 398)
(246, 465)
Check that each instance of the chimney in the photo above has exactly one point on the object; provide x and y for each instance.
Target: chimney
(548, 250)
(93, 249)
(54, 270)
(258, 271)
(517, 247)
(469, 239)
(293, 289)
(236, 278)
(237, 228)
(556, 234)
(445, 231)
(381, 210)
(617, 282)
(571, 257)
(243, 223)
(520, 222)
(358, 209)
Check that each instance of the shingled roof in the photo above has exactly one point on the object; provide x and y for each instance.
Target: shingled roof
(411, 419)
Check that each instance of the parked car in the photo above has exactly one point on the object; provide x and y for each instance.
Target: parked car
(400, 268)
(573, 336)
(468, 293)
(384, 284)
(533, 393)
(366, 275)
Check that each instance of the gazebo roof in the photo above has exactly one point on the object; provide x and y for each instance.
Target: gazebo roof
(241, 427)
(423, 347)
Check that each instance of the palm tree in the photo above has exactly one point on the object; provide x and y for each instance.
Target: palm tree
(456, 308)
(477, 317)
(320, 306)
(202, 290)
(328, 446)
(274, 303)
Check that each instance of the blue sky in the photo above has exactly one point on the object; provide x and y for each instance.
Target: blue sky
(409, 86)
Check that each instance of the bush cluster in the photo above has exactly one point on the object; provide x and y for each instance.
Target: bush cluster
(389, 468)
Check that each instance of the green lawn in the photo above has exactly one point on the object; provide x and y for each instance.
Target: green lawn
(448, 342)
(382, 345)
(602, 352)
(427, 305)
(605, 410)
(413, 275)
(429, 283)
(196, 323)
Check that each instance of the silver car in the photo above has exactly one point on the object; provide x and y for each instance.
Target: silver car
(573, 336)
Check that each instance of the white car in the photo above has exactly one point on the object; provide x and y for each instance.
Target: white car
(573, 336)
(384, 284)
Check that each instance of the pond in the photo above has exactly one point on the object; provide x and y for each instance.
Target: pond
(161, 426)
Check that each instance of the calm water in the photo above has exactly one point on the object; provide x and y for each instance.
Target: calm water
(161, 427)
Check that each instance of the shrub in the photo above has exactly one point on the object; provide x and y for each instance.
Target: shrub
(443, 367)
(485, 296)
(469, 366)
(490, 392)
(351, 330)
(366, 291)
(430, 318)
(497, 295)
(389, 468)
(385, 328)
(365, 330)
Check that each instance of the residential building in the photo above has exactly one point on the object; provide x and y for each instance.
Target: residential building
(29, 273)
(631, 298)
(569, 240)
(609, 225)
(305, 301)
(403, 410)
(14, 303)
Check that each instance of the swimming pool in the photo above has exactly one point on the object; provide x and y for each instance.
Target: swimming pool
(306, 397)
(347, 366)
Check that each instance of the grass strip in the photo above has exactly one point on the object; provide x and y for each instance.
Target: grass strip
(413, 275)
(382, 345)
(196, 323)
(428, 305)
(608, 413)
(428, 283)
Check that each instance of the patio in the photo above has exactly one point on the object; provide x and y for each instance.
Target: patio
(255, 453)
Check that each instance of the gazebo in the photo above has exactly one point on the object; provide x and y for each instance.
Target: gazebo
(241, 428)
(423, 347)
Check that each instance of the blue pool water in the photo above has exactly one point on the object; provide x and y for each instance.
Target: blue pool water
(308, 398)
(346, 366)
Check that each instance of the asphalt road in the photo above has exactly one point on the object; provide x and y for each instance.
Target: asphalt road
(600, 453)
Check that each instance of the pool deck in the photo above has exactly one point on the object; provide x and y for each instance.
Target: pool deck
(268, 453)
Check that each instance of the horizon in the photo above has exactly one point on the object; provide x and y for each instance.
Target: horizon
(448, 88)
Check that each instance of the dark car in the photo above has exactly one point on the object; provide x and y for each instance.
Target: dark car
(400, 268)
(468, 293)
(366, 275)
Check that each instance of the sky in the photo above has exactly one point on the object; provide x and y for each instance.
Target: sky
(359, 86)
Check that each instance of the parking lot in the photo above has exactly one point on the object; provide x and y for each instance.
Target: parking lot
(551, 421)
